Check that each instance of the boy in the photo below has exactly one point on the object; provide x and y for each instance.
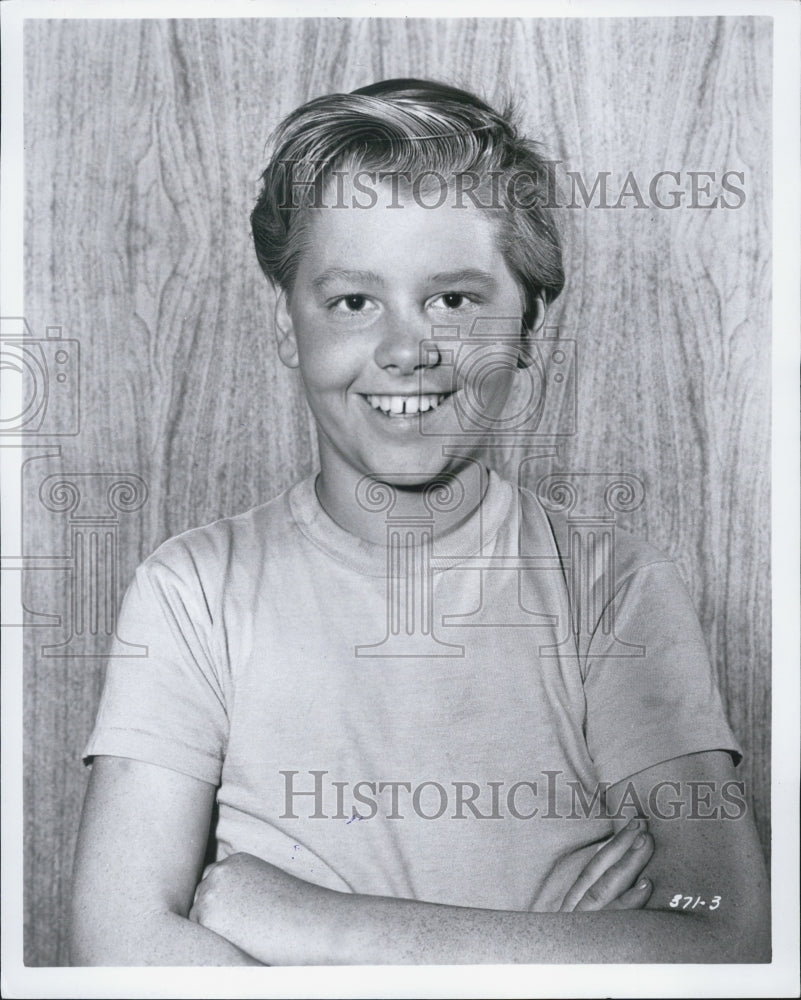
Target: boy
(414, 756)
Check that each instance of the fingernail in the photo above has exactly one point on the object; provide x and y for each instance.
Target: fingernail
(634, 823)
(643, 883)
(639, 841)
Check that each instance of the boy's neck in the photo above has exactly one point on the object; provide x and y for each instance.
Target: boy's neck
(361, 506)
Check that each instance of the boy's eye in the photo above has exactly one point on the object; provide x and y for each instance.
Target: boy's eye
(451, 300)
(350, 303)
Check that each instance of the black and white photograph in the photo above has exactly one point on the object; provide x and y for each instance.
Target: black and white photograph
(399, 444)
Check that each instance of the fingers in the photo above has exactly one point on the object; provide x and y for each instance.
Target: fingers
(200, 889)
(634, 898)
(610, 852)
(613, 870)
(621, 878)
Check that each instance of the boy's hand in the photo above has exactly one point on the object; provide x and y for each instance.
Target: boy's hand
(232, 892)
(611, 879)
(266, 912)
(221, 896)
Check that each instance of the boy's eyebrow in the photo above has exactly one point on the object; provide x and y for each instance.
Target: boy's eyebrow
(465, 275)
(341, 274)
(469, 274)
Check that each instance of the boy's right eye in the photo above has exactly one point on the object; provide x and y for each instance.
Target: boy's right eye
(350, 303)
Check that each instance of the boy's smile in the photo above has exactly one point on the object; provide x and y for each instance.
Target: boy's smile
(361, 322)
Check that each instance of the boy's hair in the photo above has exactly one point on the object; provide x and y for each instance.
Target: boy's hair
(410, 127)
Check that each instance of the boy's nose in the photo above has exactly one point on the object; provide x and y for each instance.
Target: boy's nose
(405, 351)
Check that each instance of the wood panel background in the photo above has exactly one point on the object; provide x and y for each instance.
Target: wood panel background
(144, 142)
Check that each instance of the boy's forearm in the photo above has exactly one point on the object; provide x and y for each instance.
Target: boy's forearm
(156, 939)
(379, 930)
(282, 920)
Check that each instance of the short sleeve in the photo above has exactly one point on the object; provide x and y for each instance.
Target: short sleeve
(166, 706)
(644, 709)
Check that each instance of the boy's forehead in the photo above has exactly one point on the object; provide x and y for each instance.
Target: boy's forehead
(374, 225)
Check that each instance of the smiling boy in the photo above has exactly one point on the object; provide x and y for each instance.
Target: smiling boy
(355, 333)
(379, 803)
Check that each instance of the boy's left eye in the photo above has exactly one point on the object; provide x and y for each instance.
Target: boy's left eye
(450, 300)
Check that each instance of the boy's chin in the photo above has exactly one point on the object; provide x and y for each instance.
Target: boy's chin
(409, 477)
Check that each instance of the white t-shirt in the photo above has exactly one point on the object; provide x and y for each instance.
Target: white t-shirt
(460, 769)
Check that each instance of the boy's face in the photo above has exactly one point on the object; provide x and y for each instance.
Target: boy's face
(372, 285)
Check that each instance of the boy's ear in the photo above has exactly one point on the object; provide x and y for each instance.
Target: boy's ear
(285, 332)
(525, 359)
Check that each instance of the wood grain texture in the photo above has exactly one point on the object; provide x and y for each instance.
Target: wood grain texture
(143, 148)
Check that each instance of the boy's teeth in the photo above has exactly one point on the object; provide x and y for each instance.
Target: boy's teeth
(396, 405)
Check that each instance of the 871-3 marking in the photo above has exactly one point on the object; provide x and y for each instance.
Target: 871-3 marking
(690, 903)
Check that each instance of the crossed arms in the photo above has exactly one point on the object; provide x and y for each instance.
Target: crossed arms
(139, 860)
